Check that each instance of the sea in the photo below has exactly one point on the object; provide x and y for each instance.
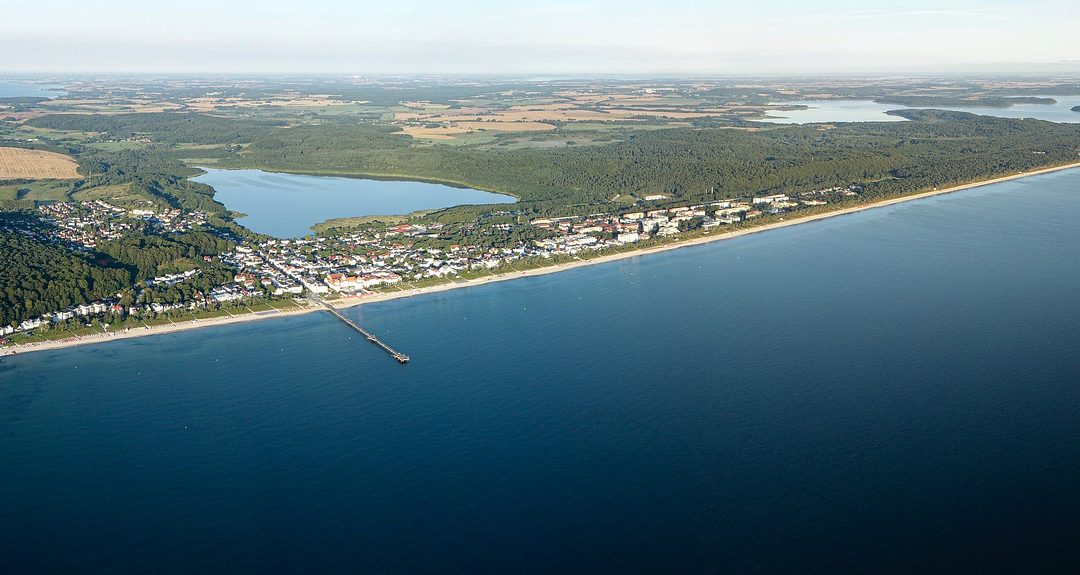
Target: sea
(890, 391)
(870, 111)
(17, 88)
(287, 205)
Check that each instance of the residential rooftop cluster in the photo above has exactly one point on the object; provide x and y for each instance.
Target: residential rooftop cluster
(360, 261)
(85, 224)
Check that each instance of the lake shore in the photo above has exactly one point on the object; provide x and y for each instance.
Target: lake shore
(387, 296)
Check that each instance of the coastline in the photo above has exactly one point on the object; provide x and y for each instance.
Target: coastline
(387, 296)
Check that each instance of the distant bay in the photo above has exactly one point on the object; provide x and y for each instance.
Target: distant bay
(21, 89)
(870, 111)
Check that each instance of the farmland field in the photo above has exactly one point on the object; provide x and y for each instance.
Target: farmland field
(19, 163)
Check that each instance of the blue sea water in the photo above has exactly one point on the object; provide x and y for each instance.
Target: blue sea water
(896, 390)
(287, 205)
(11, 89)
(870, 111)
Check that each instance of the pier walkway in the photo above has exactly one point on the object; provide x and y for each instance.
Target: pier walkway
(397, 355)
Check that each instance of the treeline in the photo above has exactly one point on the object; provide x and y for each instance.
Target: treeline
(185, 291)
(148, 256)
(687, 164)
(37, 278)
(151, 172)
(165, 127)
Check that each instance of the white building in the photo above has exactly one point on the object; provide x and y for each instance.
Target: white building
(771, 199)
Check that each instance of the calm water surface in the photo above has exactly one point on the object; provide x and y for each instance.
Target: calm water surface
(869, 111)
(891, 391)
(832, 111)
(11, 89)
(287, 205)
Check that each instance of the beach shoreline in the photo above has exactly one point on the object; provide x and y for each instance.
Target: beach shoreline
(349, 302)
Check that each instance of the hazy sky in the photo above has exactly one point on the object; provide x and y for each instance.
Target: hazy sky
(538, 37)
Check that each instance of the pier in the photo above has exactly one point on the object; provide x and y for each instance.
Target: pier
(397, 355)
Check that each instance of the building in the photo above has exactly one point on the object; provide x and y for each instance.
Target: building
(770, 199)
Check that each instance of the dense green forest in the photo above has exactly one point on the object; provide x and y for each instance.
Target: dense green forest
(163, 127)
(933, 149)
(37, 278)
(151, 172)
(148, 255)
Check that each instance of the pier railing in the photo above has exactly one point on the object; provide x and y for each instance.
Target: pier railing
(397, 355)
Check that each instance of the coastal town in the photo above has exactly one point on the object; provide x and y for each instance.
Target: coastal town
(362, 262)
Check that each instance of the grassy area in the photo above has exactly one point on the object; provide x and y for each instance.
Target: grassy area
(124, 195)
(474, 138)
(38, 190)
(344, 223)
(117, 146)
(25, 132)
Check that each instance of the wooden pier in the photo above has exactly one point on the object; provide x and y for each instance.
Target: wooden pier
(397, 355)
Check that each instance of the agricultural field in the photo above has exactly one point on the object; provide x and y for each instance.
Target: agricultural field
(24, 164)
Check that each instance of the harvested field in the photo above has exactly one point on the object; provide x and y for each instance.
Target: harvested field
(439, 133)
(209, 104)
(465, 127)
(534, 115)
(118, 106)
(507, 126)
(18, 163)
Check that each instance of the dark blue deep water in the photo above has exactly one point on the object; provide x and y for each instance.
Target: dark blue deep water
(891, 391)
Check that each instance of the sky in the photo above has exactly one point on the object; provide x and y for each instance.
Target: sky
(539, 37)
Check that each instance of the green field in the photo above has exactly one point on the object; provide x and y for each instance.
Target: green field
(37, 190)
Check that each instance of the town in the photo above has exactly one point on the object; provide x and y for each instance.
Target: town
(366, 260)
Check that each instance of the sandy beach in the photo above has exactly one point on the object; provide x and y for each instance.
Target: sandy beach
(386, 296)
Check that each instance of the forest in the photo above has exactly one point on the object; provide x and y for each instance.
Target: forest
(932, 149)
(37, 277)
